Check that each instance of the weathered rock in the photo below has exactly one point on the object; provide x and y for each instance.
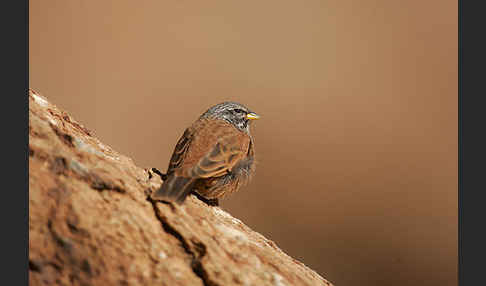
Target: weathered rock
(91, 222)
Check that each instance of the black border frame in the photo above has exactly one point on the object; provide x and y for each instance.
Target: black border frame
(15, 84)
(471, 144)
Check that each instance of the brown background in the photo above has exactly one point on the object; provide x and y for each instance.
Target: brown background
(357, 145)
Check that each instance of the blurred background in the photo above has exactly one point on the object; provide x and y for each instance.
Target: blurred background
(357, 145)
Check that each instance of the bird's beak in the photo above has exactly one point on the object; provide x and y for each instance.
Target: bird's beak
(252, 116)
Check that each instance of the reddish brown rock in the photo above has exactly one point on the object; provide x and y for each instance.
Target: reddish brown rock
(91, 222)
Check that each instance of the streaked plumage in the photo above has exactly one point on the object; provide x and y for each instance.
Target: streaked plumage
(214, 156)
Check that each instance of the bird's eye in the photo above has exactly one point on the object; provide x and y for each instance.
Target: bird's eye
(239, 110)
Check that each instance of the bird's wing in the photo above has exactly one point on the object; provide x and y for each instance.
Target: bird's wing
(180, 150)
(213, 149)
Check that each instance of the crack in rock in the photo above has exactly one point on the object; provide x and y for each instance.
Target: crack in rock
(99, 184)
(61, 166)
(197, 254)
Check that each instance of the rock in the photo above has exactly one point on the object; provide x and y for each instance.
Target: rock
(91, 221)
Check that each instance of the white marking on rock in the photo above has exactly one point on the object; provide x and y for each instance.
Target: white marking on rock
(222, 213)
(103, 146)
(162, 255)
(81, 145)
(41, 101)
(232, 233)
(257, 262)
(52, 121)
(78, 167)
(278, 280)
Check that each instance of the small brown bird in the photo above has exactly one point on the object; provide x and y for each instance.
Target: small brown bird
(214, 156)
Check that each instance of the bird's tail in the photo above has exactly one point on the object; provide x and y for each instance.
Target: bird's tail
(174, 189)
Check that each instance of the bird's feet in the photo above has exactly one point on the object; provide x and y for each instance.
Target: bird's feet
(210, 202)
(161, 175)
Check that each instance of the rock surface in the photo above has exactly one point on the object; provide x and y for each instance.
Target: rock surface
(91, 222)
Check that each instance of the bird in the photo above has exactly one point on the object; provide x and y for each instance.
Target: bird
(214, 157)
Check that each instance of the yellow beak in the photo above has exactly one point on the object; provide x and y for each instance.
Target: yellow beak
(252, 116)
